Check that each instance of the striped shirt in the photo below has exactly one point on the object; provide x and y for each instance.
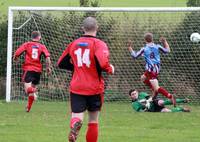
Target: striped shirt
(152, 56)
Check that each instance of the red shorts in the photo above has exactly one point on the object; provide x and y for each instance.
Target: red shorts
(150, 75)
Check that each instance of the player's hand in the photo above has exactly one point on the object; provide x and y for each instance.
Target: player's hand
(15, 59)
(70, 60)
(148, 104)
(113, 68)
(150, 100)
(162, 39)
(129, 44)
(49, 71)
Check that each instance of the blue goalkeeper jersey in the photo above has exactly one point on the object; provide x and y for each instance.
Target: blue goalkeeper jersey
(152, 56)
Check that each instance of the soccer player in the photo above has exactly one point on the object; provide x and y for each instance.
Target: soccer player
(152, 68)
(32, 66)
(87, 57)
(143, 102)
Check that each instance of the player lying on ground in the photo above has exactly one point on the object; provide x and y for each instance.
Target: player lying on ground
(152, 64)
(143, 102)
(32, 66)
(87, 57)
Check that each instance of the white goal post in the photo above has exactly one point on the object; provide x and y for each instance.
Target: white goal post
(124, 66)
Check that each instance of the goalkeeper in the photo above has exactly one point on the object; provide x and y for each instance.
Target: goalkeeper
(142, 102)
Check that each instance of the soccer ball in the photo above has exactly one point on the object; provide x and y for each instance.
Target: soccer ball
(195, 37)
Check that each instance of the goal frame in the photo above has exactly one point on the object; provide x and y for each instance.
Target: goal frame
(95, 9)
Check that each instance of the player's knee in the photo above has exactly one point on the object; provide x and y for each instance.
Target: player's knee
(93, 117)
(170, 96)
(165, 110)
(30, 90)
(161, 103)
(155, 87)
(143, 78)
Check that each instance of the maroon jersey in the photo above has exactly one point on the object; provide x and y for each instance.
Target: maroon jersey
(86, 57)
(33, 52)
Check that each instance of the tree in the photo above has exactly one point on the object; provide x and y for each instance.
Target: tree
(84, 3)
(193, 3)
(92, 3)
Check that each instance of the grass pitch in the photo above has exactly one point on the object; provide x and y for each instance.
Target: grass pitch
(48, 122)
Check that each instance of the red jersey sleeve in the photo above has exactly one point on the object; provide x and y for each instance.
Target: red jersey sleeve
(20, 50)
(102, 54)
(64, 62)
(45, 51)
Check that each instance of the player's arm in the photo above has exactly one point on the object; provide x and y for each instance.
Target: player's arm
(19, 51)
(48, 60)
(48, 65)
(166, 48)
(134, 54)
(64, 62)
(138, 107)
(102, 55)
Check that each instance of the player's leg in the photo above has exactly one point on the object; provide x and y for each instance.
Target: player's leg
(75, 125)
(29, 89)
(78, 107)
(145, 78)
(157, 88)
(166, 110)
(92, 130)
(176, 109)
(161, 103)
(169, 102)
(180, 109)
(94, 107)
(35, 82)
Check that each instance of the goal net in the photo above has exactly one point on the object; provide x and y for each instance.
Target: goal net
(180, 69)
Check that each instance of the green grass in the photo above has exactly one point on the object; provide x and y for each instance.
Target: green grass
(144, 3)
(4, 4)
(48, 122)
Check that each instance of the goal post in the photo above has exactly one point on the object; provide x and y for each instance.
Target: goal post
(9, 55)
(61, 25)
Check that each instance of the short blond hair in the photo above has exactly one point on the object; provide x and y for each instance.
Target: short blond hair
(148, 37)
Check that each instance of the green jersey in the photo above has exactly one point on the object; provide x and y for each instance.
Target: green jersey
(139, 104)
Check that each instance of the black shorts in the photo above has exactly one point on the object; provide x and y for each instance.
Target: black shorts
(80, 103)
(157, 107)
(31, 76)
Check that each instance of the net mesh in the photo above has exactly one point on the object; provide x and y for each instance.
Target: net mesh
(180, 69)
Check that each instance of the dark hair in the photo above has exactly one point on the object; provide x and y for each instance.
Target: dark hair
(130, 91)
(35, 34)
(148, 37)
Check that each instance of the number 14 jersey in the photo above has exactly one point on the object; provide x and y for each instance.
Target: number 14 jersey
(87, 57)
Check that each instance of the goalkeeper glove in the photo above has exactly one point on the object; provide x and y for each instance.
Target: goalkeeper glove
(148, 103)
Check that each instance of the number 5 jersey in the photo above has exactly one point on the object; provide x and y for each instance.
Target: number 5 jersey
(33, 52)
